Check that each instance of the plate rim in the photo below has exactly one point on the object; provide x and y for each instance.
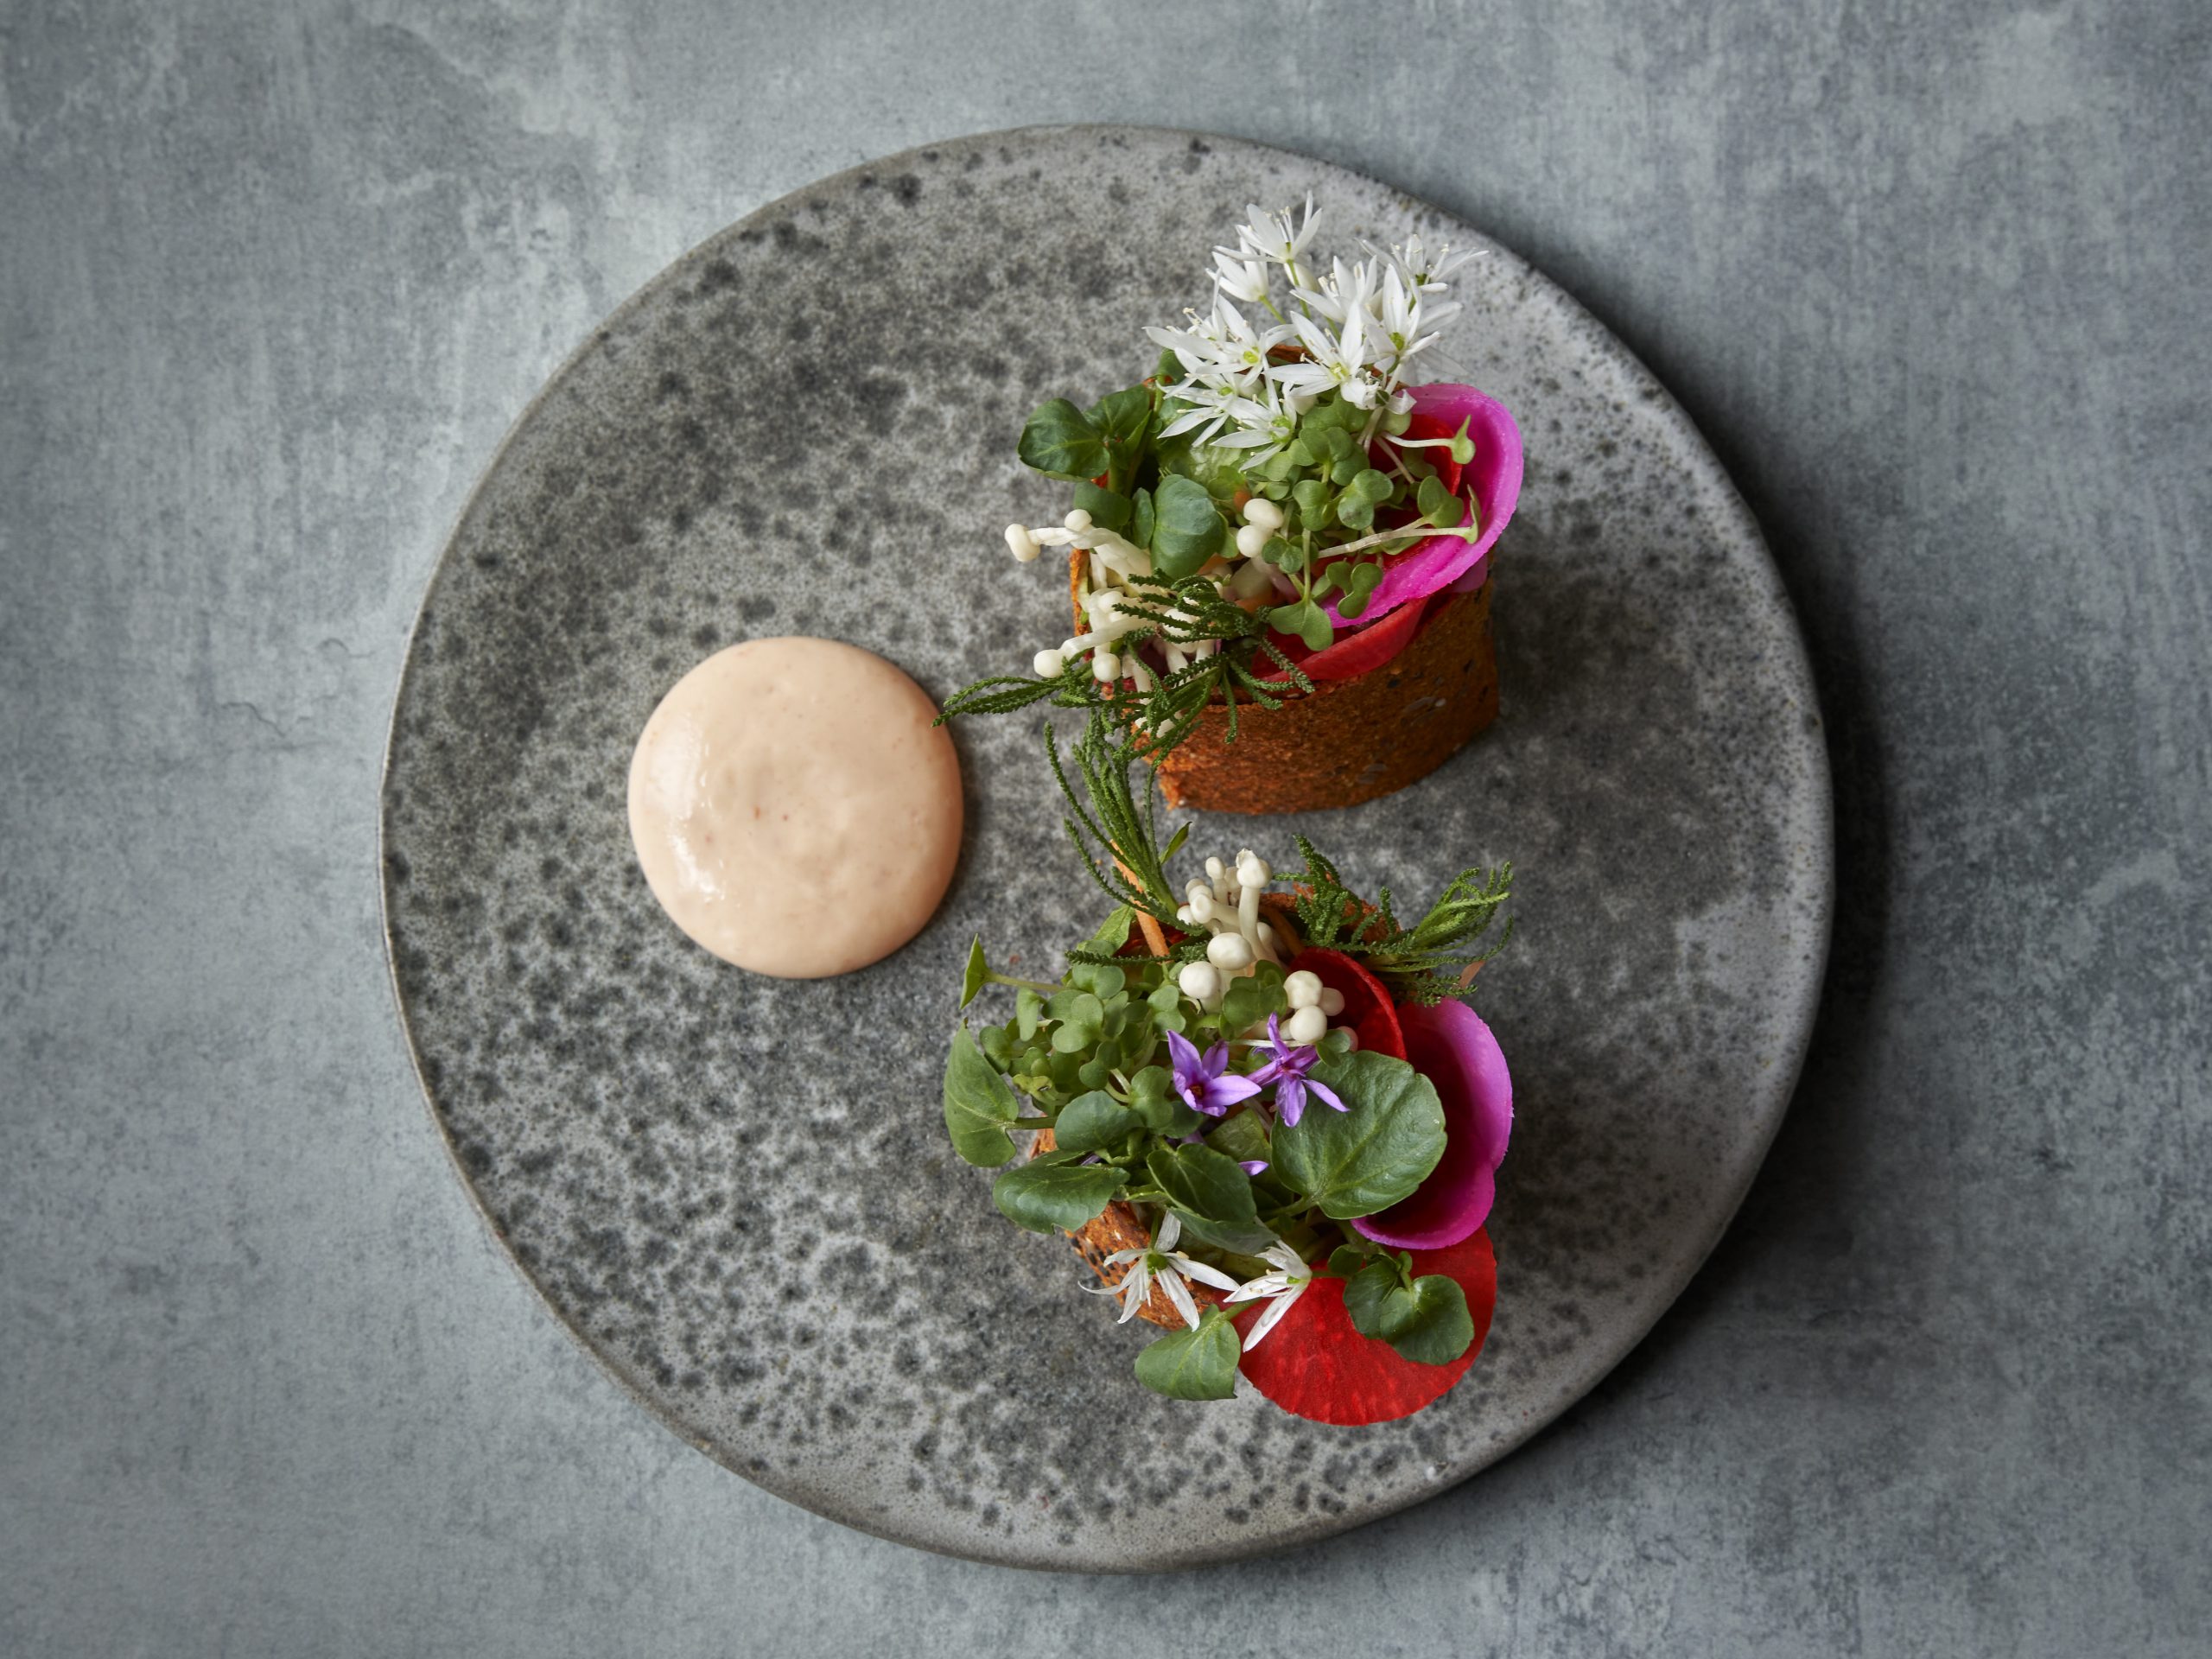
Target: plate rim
(1819, 791)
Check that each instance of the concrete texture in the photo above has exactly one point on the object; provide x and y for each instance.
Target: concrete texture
(1932, 279)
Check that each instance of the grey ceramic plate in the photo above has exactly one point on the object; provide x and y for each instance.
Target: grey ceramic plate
(737, 1192)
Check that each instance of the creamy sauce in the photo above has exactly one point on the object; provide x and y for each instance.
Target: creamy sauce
(792, 808)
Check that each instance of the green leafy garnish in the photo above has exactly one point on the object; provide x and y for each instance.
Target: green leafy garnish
(978, 1109)
(1365, 1159)
(1195, 1365)
(1053, 1192)
(1425, 1320)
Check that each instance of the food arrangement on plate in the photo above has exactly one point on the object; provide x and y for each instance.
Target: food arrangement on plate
(1279, 546)
(1259, 1108)
(1262, 1116)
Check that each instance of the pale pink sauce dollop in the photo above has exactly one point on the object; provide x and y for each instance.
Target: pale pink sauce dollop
(793, 810)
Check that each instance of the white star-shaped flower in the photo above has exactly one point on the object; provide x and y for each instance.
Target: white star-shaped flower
(1272, 236)
(1284, 1285)
(1162, 1264)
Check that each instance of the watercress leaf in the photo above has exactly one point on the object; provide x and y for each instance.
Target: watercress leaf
(1029, 1010)
(1441, 1327)
(1239, 1237)
(977, 976)
(1060, 441)
(1187, 527)
(1374, 484)
(1096, 1072)
(1347, 465)
(978, 1105)
(1197, 1364)
(1312, 496)
(1366, 1158)
(1108, 509)
(1426, 1321)
(1378, 1300)
(998, 1047)
(1348, 1259)
(1141, 518)
(1350, 606)
(1203, 1183)
(1337, 1044)
(1151, 1094)
(1327, 579)
(1122, 418)
(1052, 1192)
(1169, 369)
(1243, 1137)
(1355, 512)
(1092, 1122)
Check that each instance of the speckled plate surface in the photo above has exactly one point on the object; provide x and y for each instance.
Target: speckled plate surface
(737, 1192)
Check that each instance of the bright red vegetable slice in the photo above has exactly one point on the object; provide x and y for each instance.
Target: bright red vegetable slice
(1354, 654)
(1368, 1006)
(1314, 1365)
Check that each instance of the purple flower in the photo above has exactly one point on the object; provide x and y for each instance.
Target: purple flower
(1288, 1072)
(1200, 1080)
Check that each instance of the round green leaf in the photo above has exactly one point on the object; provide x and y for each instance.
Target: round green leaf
(1092, 1121)
(1187, 528)
(1199, 1365)
(1368, 1157)
(1052, 1192)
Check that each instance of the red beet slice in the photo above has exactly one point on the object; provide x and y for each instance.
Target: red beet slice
(1367, 1004)
(1354, 654)
(1451, 1046)
(1314, 1365)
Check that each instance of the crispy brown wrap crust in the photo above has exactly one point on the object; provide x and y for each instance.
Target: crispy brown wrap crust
(1347, 740)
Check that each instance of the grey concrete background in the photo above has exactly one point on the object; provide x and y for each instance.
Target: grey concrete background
(1932, 276)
